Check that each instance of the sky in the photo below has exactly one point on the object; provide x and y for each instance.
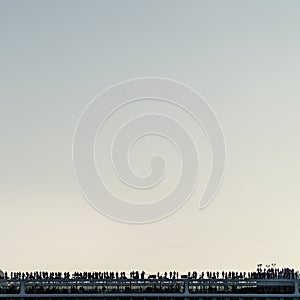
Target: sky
(242, 56)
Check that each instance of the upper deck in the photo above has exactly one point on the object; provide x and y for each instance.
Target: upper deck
(185, 288)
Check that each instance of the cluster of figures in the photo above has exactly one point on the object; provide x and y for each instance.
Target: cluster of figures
(267, 273)
(273, 273)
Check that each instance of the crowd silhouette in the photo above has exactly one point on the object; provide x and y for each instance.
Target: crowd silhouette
(44, 282)
(260, 273)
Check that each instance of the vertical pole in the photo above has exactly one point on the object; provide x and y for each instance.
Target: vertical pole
(297, 291)
(22, 287)
(186, 289)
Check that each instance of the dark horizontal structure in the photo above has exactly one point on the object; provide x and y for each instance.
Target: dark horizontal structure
(123, 288)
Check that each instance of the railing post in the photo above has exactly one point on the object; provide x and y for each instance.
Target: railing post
(186, 288)
(297, 291)
(22, 287)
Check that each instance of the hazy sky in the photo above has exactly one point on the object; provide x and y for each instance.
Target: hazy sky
(243, 56)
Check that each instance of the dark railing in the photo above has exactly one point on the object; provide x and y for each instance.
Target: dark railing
(108, 287)
(148, 286)
(241, 289)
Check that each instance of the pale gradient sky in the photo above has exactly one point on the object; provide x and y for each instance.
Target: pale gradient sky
(243, 56)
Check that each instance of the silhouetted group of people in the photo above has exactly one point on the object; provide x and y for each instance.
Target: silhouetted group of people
(266, 273)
